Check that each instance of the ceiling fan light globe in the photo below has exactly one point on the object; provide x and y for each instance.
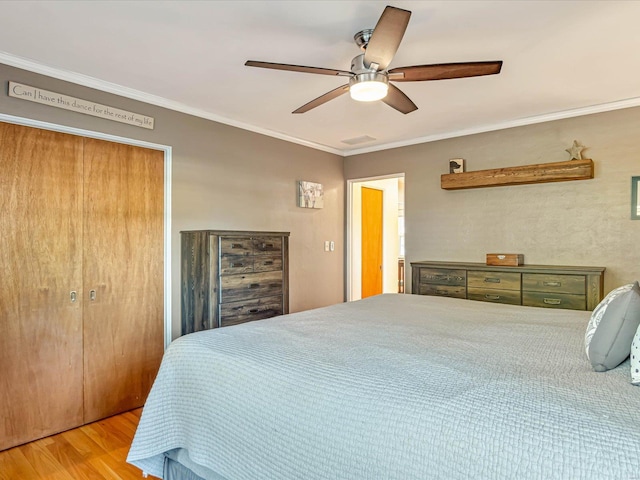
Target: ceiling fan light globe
(368, 87)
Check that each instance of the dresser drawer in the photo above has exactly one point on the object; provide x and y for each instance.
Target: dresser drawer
(232, 264)
(570, 287)
(266, 245)
(539, 282)
(267, 263)
(443, 276)
(554, 300)
(235, 246)
(249, 286)
(499, 280)
(246, 311)
(494, 295)
(443, 290)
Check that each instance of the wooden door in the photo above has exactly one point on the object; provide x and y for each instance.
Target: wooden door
(123, 275)
(371, 242)
(40, 258)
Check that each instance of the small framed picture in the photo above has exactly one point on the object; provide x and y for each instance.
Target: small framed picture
(310, 195)
(456, 165)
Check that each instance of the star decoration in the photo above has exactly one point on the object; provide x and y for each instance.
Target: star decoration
(575, 151)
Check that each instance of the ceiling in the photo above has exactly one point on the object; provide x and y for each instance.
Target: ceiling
(561, 59)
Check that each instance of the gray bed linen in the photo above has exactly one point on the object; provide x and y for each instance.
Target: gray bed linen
(394, 387)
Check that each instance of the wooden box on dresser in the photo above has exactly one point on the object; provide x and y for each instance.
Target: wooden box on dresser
(231, 277)
(576, 288)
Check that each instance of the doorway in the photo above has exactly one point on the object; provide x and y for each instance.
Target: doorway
(391, 188)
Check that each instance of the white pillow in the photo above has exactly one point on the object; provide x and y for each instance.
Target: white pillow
(612, 326)
(635, 359)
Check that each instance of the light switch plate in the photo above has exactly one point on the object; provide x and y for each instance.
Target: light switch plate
(332, 245)
(326, 246)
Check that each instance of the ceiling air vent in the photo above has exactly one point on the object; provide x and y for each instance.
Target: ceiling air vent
(357, 140)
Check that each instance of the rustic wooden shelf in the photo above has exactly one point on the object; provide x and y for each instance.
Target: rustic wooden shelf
(540, 173)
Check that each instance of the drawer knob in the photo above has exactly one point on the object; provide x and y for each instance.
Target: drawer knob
(492, 280)
(236, 265)
(254, 310)
(236, 245)
(492, 297)
(552, 284)
(552, 301)
(268, 262)
(254, 285)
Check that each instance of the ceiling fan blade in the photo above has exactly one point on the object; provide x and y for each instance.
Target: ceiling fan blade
(335, 93)
(443, 71)
(386, 37)
(397, 99)
(297, 68)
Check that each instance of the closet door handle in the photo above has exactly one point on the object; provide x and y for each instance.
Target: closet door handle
(92, 295)
(73, 296)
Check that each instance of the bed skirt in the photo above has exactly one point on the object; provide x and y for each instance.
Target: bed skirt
(176, 471)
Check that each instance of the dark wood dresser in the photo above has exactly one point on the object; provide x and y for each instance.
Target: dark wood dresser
(232, 277)
(576, 288)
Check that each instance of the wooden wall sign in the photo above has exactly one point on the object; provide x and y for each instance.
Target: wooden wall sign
(53, 99)
(540, 173)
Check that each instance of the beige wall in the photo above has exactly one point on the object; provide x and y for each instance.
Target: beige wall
(566, 223)
(227, 178)
(224, 178)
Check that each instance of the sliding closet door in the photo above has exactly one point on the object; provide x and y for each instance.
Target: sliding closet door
(123, 275)
(41, 283)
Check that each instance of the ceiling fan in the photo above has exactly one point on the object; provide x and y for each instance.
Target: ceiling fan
(369, 76)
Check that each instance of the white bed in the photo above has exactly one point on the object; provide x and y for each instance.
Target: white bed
(392, 387)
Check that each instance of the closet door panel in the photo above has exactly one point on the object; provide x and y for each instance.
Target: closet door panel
(123, 275)
(41, 367)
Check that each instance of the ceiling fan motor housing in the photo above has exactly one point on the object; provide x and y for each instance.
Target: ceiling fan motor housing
(358, 66)
(369, 77)
(367, 84)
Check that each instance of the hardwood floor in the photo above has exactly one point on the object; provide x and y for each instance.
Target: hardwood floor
(95, 451)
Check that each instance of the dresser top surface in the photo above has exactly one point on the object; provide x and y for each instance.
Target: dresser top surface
(520, 268)
(243, 233)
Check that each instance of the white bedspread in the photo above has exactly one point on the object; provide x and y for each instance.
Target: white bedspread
(394, 387)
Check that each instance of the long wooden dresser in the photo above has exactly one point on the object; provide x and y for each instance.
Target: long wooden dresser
(576, 288)
(232, 277)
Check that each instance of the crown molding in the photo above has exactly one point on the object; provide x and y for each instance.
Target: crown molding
(547, 117)
(91, 82)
